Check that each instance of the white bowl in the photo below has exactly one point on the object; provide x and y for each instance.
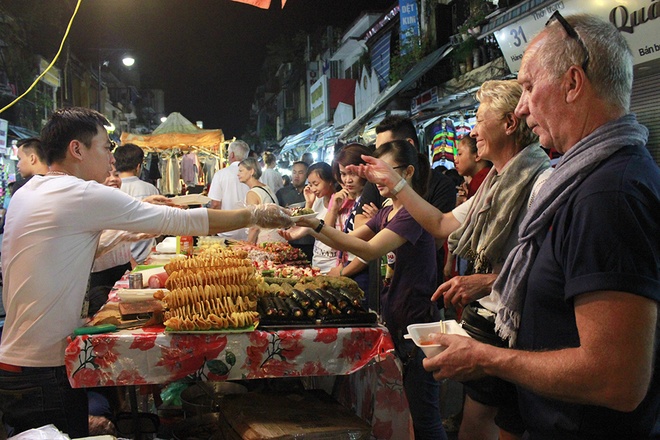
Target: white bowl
(419, 333)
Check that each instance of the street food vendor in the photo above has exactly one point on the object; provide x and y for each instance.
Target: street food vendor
(52, 232)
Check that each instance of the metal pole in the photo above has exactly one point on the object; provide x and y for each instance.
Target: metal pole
(98, 97)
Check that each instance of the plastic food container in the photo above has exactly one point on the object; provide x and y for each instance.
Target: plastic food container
(419, 333)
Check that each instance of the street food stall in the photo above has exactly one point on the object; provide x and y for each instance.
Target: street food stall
(177, 152)
(227, 315)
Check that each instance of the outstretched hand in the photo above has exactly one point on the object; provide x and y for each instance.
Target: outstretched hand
(161, 200)
(376, 171)
(269, 216)
(293, 233)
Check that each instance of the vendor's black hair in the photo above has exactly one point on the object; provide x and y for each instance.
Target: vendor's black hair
(68, 124)
(400, 126)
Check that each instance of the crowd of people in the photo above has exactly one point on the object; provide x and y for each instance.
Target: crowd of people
(555, 270)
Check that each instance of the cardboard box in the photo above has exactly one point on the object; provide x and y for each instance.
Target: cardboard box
(311, 415)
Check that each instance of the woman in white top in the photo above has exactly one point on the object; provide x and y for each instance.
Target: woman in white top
(321, 185)
(249, 172)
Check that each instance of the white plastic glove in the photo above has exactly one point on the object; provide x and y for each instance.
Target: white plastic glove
(269, 216)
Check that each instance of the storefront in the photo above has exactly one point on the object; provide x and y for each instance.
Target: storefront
(638, 22)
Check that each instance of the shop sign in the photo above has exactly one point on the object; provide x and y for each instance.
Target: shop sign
(637, 20)
(318, 102)
(366, 91)
(409, 23)
(429, 97)
(4, 126)
(52, 77)
(312, 73)
(382, 23)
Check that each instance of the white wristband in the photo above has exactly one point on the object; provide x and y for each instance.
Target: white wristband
(399, 186)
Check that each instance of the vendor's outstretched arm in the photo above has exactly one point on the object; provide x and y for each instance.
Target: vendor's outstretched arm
(269, 216)
(225, 220)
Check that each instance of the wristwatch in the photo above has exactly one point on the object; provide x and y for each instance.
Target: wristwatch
(319, 227)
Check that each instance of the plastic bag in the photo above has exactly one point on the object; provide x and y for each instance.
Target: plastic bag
(171, 395)
(47, 432)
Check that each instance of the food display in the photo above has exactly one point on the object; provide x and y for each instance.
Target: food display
(296, 212)
(240, 286)
(312, 301)
(214, 290)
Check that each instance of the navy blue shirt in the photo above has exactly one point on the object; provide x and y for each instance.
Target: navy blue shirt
(604, 238)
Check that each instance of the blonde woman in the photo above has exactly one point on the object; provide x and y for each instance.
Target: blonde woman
(249, 172)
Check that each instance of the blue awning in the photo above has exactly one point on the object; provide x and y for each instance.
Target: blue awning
(301, 139)
(21, 132)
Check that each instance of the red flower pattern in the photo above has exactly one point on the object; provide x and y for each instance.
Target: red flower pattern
(187, 355)
(263, 354)
(104, 353)
(326, 335)
(130, 377)
(144, 342)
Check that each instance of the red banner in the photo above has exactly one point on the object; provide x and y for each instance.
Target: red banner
(263, 4)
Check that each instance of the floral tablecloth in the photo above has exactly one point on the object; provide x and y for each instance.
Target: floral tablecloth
(152, 356)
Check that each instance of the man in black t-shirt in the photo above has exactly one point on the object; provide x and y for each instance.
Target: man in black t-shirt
(292, 194)
(441, 191)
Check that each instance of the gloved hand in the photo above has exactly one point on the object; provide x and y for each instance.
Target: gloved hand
(269, 216)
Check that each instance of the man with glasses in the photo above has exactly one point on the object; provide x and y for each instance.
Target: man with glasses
(580, 292)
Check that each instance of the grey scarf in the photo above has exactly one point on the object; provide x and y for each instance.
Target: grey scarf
(572, 169)
(493, 214)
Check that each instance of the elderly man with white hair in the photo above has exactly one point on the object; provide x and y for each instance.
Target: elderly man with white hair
(579, 294)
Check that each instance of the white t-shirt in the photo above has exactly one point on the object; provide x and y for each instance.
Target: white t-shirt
(51, 235)
(140, 190)
(461, 212)
(272, 178)
(226, 188)
(324, 257)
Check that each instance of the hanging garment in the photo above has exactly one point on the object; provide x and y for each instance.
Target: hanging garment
(444, 143)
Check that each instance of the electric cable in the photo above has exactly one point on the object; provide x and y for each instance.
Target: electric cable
(52, 63)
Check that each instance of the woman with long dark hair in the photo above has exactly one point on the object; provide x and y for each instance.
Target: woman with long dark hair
(341, 213)
(406, 296)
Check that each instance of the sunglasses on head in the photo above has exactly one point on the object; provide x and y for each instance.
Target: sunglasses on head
(570, 31)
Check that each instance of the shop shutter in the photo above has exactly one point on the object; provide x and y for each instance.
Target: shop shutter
(644, 103)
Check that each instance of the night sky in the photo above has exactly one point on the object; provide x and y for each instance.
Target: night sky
(205, 54)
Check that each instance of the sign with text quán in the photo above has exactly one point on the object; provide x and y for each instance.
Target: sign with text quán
(637, 20)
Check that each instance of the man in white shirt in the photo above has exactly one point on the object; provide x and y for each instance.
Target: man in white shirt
(129, 158)
(226, 192)
(52, 233)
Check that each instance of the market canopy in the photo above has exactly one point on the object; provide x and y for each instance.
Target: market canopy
(176, 132)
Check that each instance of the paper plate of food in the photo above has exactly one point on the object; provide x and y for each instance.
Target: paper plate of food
(299, 213)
